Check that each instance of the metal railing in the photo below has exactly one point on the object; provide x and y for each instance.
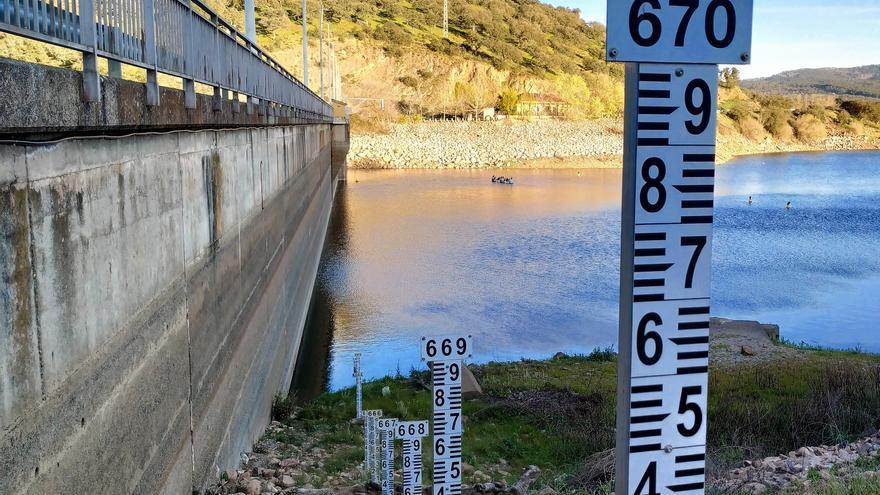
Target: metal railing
(181, 38)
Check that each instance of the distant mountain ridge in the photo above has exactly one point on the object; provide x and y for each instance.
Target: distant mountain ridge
(861, 81)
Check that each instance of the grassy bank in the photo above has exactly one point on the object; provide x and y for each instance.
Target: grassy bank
(559, 415)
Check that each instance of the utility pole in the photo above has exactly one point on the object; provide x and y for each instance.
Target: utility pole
(250, 27)
(332, 62)
(321, 46)
(446, 19)
(305, 46)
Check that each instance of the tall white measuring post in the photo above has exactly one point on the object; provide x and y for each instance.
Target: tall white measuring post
(446, 355)
(371, 459)
(671, 47)
(412, 433)
(386, 429)
(359, 390)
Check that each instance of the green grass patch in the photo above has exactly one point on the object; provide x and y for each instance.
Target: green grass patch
(557, 413)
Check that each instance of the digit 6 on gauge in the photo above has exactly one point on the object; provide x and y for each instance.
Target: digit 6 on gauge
(643, 336)
(439, 447)
(636, 18)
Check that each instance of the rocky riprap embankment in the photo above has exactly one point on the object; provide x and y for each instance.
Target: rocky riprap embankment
(461, 144)
(540, 144)
(796, 468)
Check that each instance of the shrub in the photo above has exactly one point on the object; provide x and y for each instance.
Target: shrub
(776, 122)
(816, 111)
(390, 31)
(282, 407)
(862, 109)
(751, 128)
(408, 81)
(775, 101)
(809, 129)
(737, 110)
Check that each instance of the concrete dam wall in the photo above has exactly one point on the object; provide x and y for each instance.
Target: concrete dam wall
(153, 293)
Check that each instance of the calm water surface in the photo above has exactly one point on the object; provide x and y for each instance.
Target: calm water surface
(532, 269)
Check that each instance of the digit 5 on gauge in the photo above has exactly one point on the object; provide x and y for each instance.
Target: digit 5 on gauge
(680, 31)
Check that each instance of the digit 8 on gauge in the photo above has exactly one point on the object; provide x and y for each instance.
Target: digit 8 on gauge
(653, 183)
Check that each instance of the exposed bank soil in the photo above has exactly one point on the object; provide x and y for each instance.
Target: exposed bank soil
(541, 144)
(735, 342)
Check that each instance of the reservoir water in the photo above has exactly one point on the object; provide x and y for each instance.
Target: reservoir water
(532, 269)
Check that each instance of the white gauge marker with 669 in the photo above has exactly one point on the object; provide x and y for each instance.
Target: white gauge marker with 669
(446, 355)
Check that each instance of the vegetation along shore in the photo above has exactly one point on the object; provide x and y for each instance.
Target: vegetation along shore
(783, 419)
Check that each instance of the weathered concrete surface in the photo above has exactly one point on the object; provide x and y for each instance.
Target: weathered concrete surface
(154, 291)
(341, 144)
(42, 99)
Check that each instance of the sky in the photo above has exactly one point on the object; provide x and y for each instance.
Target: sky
(796, 34)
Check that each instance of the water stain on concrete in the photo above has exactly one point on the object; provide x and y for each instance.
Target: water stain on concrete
(15, 256)
(120, 190)
(212, 172)
(61, 253)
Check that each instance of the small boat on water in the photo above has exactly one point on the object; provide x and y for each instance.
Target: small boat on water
(502, 180)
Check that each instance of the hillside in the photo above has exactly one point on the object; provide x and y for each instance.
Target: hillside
(395, 50)
(397, 65)
(854, 81)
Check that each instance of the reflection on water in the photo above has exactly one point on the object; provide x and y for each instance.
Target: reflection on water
(532, 269)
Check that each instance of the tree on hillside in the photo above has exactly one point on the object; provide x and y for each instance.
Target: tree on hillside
(508, 100)
(471, 98)
(729, 78)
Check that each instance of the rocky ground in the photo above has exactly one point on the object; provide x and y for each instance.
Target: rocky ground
(298, 468)
(539, 144)
(460, 144)
(808, 468)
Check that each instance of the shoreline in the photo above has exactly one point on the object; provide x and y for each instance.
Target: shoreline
(546, 145)
(595, 162)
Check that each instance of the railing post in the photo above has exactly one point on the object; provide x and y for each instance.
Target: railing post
(189, 84)
(150, 53)
(219, 93)
(89, 38)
